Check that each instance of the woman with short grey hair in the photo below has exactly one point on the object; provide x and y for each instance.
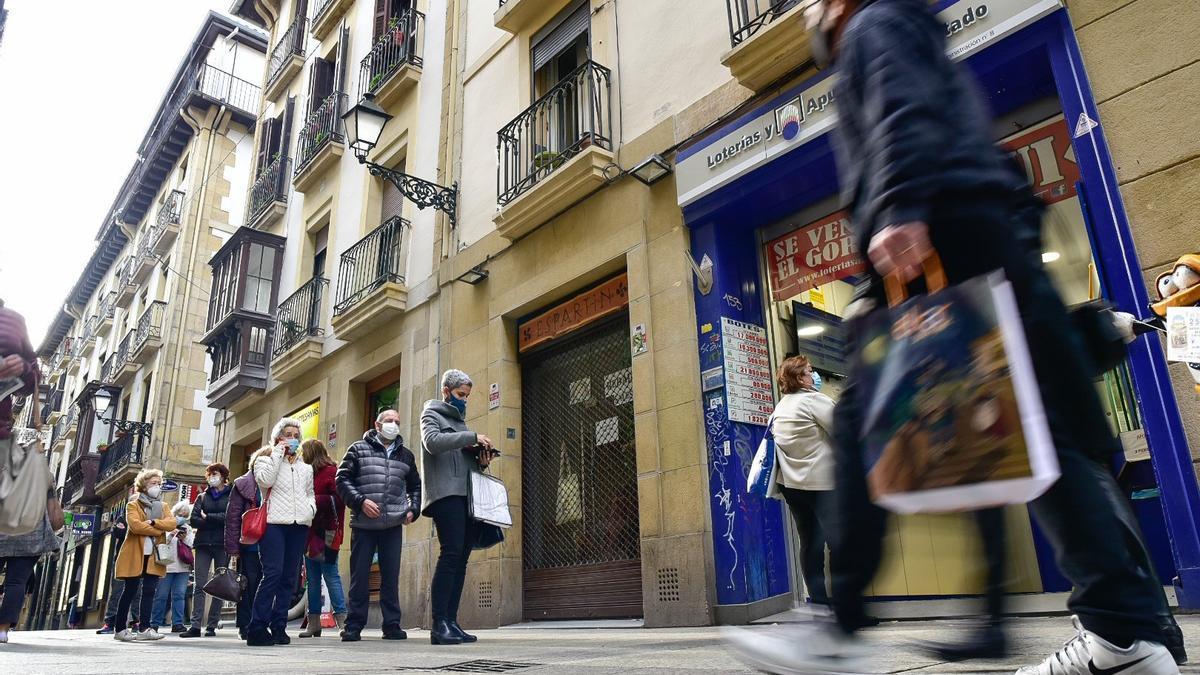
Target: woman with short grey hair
(449, 450)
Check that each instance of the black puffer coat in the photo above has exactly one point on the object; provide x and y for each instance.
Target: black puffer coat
(210, 530)
(390, 479)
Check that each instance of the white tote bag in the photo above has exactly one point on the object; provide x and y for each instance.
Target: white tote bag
(489, 500)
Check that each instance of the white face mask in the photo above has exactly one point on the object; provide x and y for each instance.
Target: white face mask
(389, 430)
(214, 481)
(154, 491)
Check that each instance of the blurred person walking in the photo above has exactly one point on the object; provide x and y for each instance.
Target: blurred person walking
(920, 174)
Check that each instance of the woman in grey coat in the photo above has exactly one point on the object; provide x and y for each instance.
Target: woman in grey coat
(449, 450)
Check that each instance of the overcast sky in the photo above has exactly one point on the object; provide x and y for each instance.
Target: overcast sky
(81, 81)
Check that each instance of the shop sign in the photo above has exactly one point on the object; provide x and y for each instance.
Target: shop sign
(82, 524)
(310, 418)
(169, 485)
(970, 26)
(812, 255)
(1049, 160)
(494, 396)
(1183, 334)
(588, 307)
(750, 398)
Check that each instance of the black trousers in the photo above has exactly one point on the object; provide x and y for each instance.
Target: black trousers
(249, 565)
(364, 544)
(456, 533)
(17, 571)
(813, 511)
(146, 583)
(1096, 538)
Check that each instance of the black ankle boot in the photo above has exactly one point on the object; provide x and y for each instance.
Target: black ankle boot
(444, 634)
(466, 637)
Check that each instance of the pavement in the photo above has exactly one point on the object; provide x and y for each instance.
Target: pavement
(525, 649)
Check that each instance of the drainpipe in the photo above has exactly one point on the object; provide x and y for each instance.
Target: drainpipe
(197, 217)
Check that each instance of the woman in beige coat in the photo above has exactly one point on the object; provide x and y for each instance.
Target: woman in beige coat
(148, 527)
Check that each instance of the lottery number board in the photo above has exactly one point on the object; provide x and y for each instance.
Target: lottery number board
(748, 389)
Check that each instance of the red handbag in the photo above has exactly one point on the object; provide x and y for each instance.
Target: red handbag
(254, 522)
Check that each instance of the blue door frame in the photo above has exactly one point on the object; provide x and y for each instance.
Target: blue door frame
(1041, 60)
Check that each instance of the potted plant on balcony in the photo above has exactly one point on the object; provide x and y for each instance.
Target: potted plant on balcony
(101, 448)
(547, 161)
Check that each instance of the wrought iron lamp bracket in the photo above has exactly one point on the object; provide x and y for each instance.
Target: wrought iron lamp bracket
(420, 191)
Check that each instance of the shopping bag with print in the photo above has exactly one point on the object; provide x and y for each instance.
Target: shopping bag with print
(764, 469)
(954, 419)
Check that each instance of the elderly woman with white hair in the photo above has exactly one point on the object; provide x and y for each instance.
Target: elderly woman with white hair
(449, 450)
(136, 564)
(291, 505)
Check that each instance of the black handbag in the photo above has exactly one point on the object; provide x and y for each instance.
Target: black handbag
(489, 536)
(226, 584)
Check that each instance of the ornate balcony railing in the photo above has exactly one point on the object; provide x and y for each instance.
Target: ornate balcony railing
(324, 125)
(63, 354)
(228, 88)
(320, 7)
(571, 116)
(271, 186)
(168, 214)
(400, 44)
(150, 324)
(299, 317)
(126, 450)
(63, 426)
(747, 17)
(290, 44)
(107, 308)
(117, 359)
(372, 262)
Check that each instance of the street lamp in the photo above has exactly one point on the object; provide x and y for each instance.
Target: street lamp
(100, 401)
(653, 169)
(364, 125)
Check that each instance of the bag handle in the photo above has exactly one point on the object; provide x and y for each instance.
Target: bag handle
(935, 280)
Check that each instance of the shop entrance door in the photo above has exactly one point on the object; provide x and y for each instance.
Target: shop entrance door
(581, 546)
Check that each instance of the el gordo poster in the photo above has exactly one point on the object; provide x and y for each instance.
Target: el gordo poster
(810, 256)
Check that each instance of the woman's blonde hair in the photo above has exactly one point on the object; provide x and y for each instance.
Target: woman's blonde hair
(145, 475)
(182, 509)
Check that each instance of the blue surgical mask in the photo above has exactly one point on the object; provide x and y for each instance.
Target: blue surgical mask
(293, 443)
(817, 382)
(459, 403)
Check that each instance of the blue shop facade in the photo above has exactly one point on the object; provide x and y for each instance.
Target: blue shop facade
(759, 196)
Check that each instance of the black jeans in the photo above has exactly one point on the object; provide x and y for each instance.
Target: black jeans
(16, 577)
(456, 533)
(363, 546)
(250, 566)
(813, 511)
(146, 583)
(1095, 535)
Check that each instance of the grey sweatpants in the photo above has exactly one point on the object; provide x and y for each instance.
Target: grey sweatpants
(207, 557)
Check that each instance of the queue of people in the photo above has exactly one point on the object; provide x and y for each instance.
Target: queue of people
(306, 496)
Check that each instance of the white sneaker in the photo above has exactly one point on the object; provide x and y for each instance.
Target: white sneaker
(3, 637)
(1090, 654)
(816, 647)
(124, 635)
(149, 635)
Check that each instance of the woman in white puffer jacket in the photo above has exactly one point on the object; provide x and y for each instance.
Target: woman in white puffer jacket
(287, 485)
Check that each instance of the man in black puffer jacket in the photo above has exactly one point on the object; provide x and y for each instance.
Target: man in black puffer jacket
(379, 482)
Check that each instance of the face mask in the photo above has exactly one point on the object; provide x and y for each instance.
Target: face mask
(817, 381)
(293, 443)
(459, 403)
(154, 492)
(214, 481)
(389, 430)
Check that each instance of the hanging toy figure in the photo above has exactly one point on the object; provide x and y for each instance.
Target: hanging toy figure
(1179, 288)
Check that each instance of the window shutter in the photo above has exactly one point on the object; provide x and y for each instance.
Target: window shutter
(285, 140)
(314, 69)
(342, 57)
(301, 10)
(551, 40)
(264, 144)
(383, 13)
(393, 202)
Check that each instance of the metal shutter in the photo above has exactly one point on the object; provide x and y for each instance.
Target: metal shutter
(551, 40)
